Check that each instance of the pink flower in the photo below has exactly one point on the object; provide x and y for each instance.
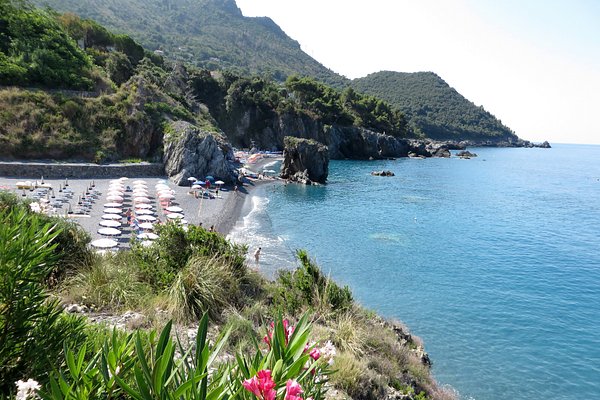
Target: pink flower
(315, 354)
(287, 328)
(261, 385)
(292, 390)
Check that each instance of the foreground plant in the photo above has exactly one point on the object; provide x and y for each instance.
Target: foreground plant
(139, 368)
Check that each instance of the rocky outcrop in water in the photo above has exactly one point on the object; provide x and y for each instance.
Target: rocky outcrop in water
(305, 161)
(382, 173)
(192, 152)
(466, 154)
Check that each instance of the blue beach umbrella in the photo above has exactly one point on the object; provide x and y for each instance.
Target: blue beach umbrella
(210, 178)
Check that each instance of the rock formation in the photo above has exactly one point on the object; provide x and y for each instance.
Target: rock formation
(305, 161)
(466, 154)
(192, 152)
(382, 173)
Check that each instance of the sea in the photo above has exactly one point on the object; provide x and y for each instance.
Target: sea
(493, 261)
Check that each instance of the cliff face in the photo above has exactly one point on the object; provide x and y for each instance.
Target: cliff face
(254, 127)
(191, 152)
(305, 161)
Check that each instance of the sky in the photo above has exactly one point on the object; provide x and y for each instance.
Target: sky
(533, 64)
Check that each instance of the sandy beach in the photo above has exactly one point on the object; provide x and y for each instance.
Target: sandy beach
(221, 211)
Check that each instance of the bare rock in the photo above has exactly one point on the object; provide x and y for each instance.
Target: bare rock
(192, 152)
(305, 161)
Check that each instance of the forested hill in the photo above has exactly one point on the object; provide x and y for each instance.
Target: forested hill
(433, 108)
(207, 33)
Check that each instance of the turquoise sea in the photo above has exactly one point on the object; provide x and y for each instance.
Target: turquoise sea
(493, 261)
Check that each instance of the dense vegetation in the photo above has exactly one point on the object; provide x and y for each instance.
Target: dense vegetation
(210, 34)
(304, 320)
(135, 94)
(433, 108)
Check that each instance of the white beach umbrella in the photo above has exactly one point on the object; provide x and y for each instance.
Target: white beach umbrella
(115, 217)
(146, 218)
(112, 205)
(115, 186)
(146, 225)
(113, 210)
(140, 194)
(109, 223)
(109, 231)
(174, 209)
(166, 196)
(144, 211)
(143, 206)
(219, 183)
(141, 200)
(140, 187)
(148, 235)
(115, 198)
(175, 216)
(123, 178)
(159, 186)
(104, 243)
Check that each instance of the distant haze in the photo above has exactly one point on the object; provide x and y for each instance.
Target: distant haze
(533, 64)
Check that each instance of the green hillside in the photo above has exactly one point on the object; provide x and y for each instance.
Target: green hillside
(433, 108)
(207, 33)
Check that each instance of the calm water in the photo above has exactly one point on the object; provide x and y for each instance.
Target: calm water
(493, 261)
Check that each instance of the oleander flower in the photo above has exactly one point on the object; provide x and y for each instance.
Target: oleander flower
(315, 353)
(287, 328)
(328, 352)
(292, 390)
(261, 385)
(27, 390)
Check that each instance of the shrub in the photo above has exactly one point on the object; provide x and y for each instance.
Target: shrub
(307, 286)
(31, 327)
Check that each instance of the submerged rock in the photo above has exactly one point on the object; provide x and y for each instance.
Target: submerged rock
(305, 161)
(382, 173)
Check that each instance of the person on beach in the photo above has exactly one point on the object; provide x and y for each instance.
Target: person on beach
(128, 215)
(257, 255)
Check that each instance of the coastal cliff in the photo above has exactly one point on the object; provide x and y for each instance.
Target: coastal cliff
(304, 161)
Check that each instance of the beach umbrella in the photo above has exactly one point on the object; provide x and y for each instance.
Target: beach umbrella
(109, 223)
(139, 182)
(144, 211)
(112, 216)
(143, 206)
(115, 198)
(148, 235)
(140, 186)
(112, 205)
(174, 209)
(115, 193)
(166, 196)
(146, 225)
(210, 178)
(113, 210)
(141, 200)
(140, 194)
(123, 178)
(104, 243)
(175, 216)
(192, 179)
(109, 231)
(219, 183)
(146, 218)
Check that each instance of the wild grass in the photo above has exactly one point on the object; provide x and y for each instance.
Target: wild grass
(109, 282)
(349, 334)
(204, 285)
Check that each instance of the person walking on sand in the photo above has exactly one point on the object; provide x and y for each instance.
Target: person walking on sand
(257, 255)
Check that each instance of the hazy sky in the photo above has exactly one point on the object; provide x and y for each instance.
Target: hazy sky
(534, 64)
